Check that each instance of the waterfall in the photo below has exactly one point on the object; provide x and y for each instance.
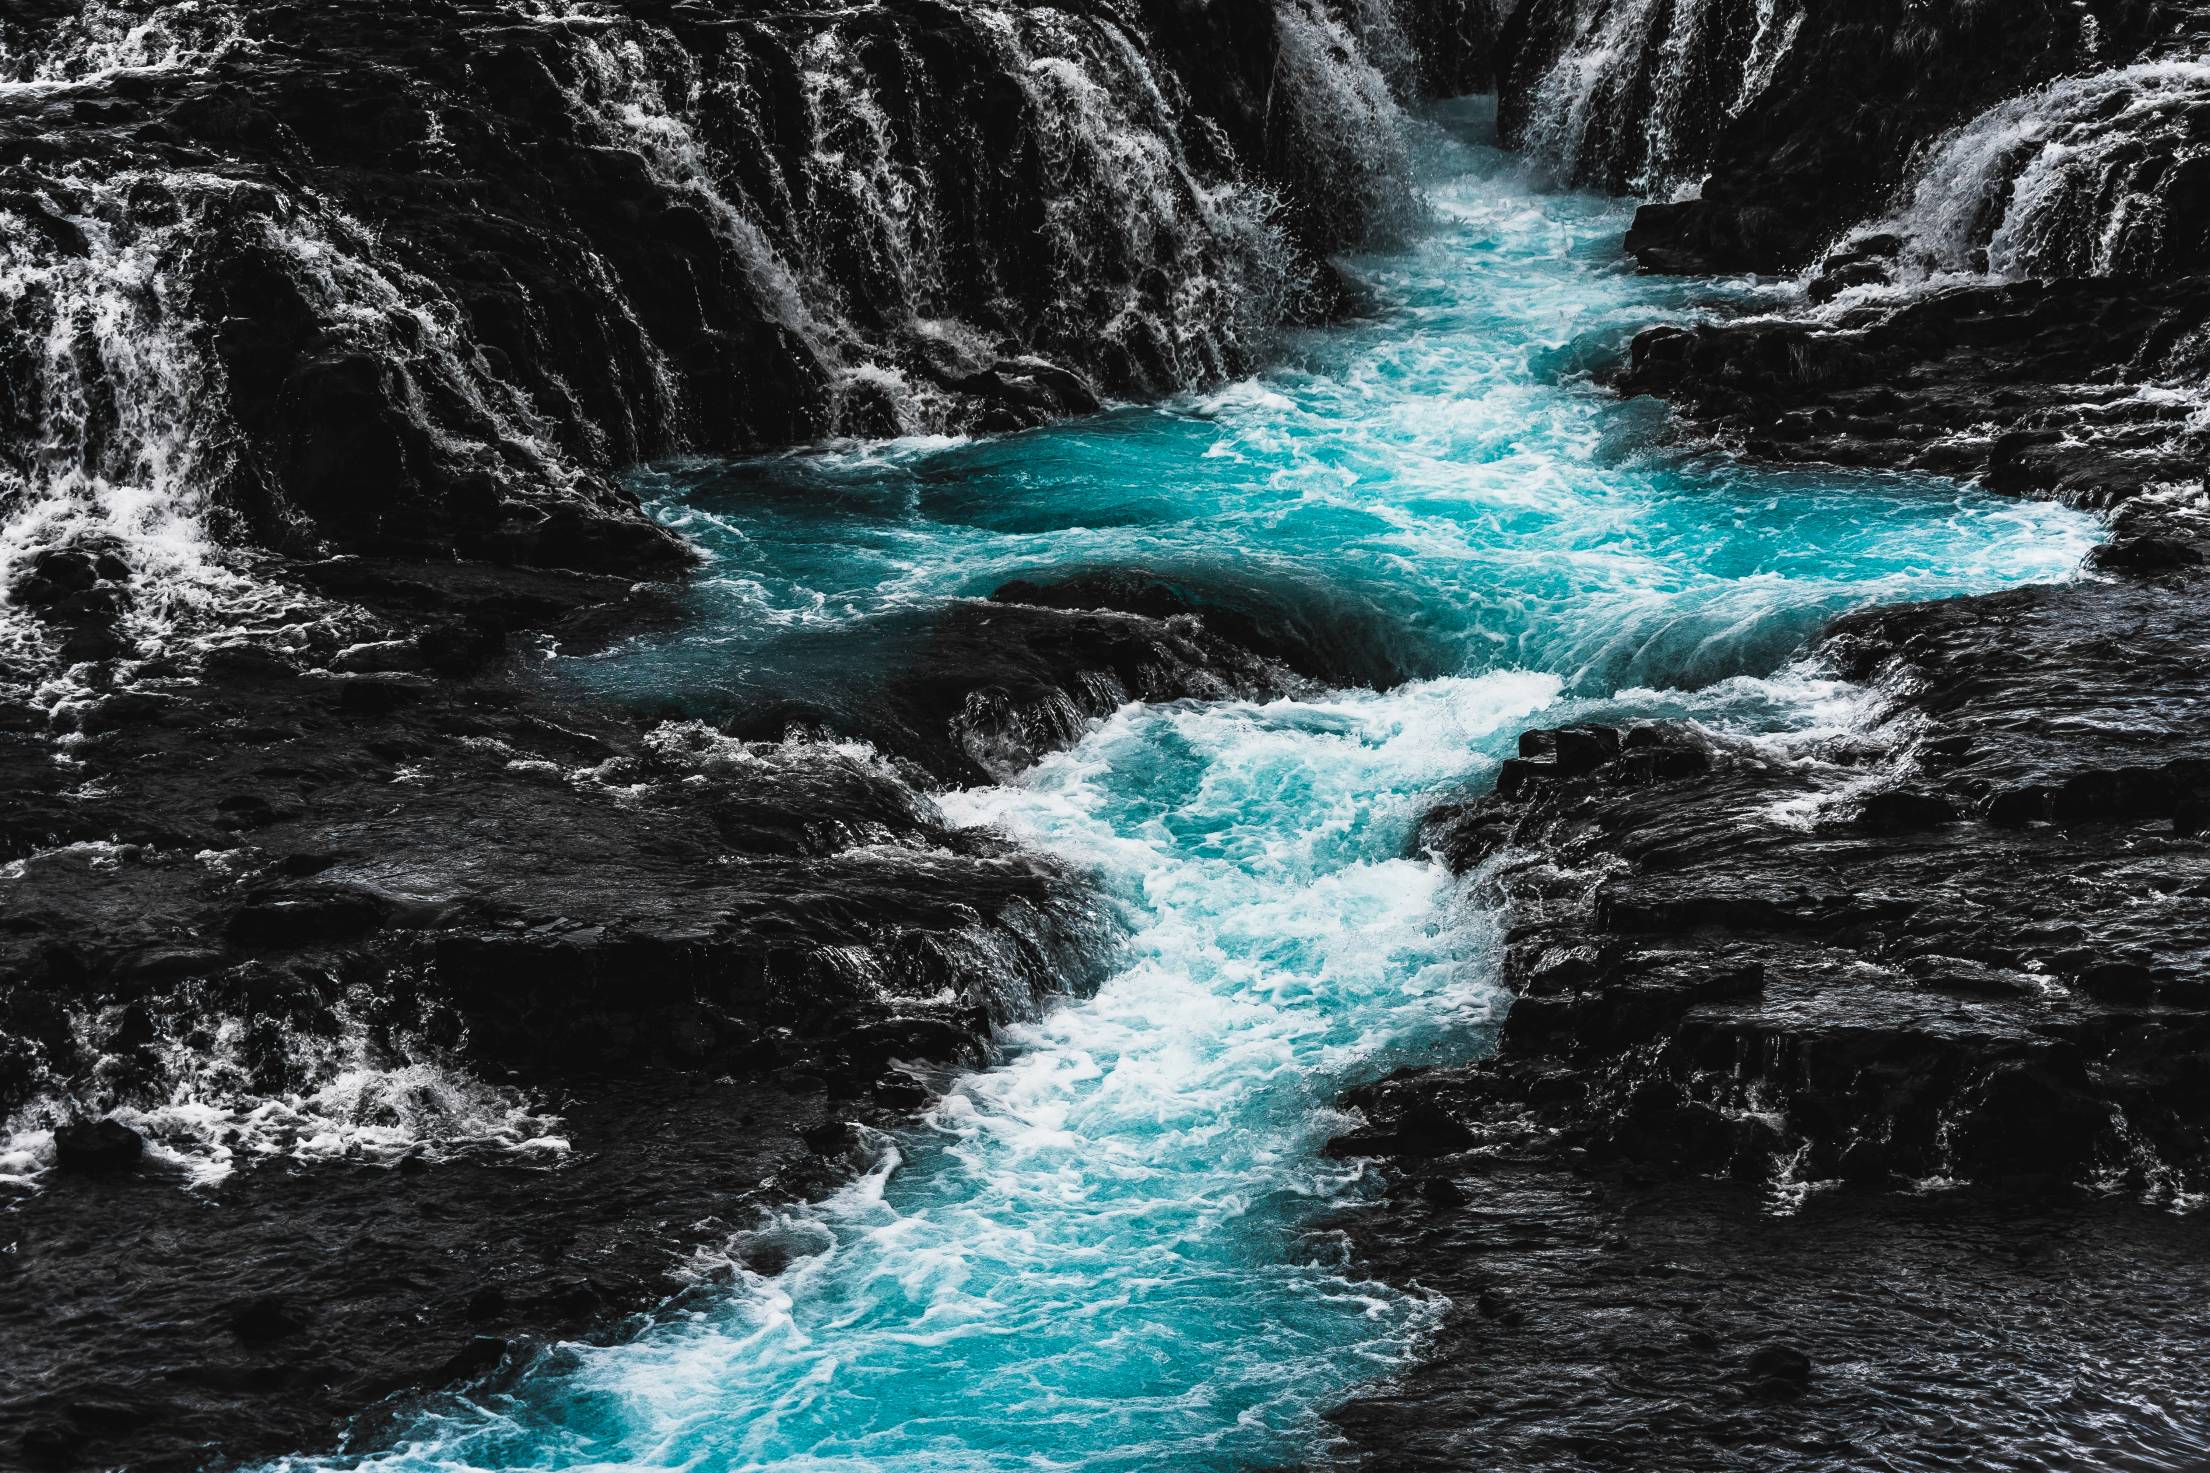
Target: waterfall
(925, 220)
(115, 436)
(1629, 93)
(1343, 110)
(2097, 175)
(1770, 43)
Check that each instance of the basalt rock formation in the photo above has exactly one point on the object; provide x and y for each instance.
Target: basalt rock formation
(1934, 985)
(327, 328)
(1937, 989)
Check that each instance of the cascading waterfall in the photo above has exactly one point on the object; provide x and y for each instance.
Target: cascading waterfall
(1770, 43)
(2097, 175)
(1027, 195)
(119, 439)
(1341, 81)
(1629, 93)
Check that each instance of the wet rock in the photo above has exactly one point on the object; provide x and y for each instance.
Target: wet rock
(478, 1357)
(301, 915)
(1905, 810)
(2028, 385)
(359, 696)
(982, 690)
(1441, 1191)
(2146, 554)
(1322, 633)
(1864, 1164)
(378, 656)
(267, 1317)
(97, 1147)
(489, 1303)
(1780, 1370)
(52, 1444)
(831, 1138)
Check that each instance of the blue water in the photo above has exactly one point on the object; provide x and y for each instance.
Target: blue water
(1100, 1253)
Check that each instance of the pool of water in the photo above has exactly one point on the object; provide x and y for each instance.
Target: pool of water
(1101, 1253)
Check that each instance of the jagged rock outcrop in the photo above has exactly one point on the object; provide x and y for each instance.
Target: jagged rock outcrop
(2076, 389)
(1852, 1053)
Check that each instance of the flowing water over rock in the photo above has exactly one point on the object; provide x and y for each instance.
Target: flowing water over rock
(1101, 1251)
(1630, 93)
(2098, 175)
(283, 277)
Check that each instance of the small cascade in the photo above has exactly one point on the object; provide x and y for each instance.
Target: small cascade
(116, 437)
(2099, 175)
(211, 1087)
(2103, 175)
(106, 39)
(1341, 81)
(1629, 94)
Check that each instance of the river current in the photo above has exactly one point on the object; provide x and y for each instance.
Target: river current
(1108, 1251)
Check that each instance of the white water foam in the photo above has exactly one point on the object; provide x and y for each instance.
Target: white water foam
(130, 434)
(213, 1117)
(2065, 180)
(1588, 112)
(106, 39)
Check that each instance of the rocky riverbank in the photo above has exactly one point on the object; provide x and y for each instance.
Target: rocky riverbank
(1818, 1065)
(433, 1011)
(355, 945)
(1801, 1048)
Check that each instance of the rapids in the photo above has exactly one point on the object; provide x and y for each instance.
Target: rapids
(1108, 1251)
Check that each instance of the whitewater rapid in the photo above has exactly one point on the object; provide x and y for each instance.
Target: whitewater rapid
(1109, 1251)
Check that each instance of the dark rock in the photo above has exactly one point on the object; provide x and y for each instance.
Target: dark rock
(1864, 1164)
(1441, 1191)
(298, 915)
(97, 1147)
(832, 1138)
(371, 698)
(2146, 554)
(267, 1317)
(478, 1357)
(1778, 1363)
(50, 1445)
(1905, 810)
(980, 690)
(488, 1303)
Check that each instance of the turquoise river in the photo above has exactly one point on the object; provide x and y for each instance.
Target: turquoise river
(1107, 1252)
